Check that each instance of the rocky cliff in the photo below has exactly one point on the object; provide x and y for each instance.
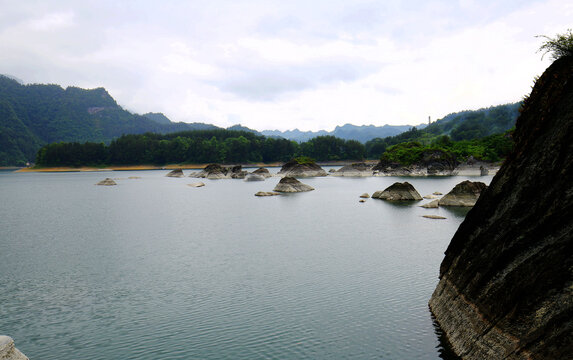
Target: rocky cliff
(506, 282)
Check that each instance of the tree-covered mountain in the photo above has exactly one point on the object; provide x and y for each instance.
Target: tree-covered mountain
(34, 115)
(464, 125)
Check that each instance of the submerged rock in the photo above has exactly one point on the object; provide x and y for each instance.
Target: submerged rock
(289, 184)
(465, 193)
(398, 192)
(433, 217)
(295, 169)
(354, 170)
(267, 193)
(196, 185)
(175, 173)
(506, 281)
(107, 182)
(254, 177)
(8, 351)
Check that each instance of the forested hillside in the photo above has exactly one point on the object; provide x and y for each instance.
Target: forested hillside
(33, 115)
(465, 125)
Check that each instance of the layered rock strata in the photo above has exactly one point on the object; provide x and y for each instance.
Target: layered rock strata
(506, 282)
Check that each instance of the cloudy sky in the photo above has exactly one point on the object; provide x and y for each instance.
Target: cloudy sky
(269, 64)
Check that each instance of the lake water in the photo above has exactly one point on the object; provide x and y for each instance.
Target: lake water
(155, 269)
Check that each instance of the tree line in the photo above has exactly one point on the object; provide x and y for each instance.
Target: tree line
(201, 146)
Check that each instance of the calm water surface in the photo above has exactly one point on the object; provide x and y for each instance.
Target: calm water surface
(154, 269)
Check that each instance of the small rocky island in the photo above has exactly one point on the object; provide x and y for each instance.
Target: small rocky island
(217, 171)
(290, 185)
(398, 192)
(464, 194)
(506, 282)
(302, 167)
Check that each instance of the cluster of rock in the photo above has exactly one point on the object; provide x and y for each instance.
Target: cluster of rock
(8, 351)
(432, 163)
(463, 194)
(294, 169)
(216, 171)
(506, 282)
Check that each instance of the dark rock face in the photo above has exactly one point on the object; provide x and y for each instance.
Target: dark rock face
(465, 193)
(398, 192)
(293, 168)
(506, 282)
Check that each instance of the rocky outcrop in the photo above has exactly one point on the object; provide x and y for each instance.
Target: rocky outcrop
(398, 192)
(506, 282)
(107, 182)
(290, 185)
(431, 205)
(465, 193)
(263, 172)
(431, 163)
(177, 173)
(8, 351)
(354, 170)
(216, 171)
(295, 169)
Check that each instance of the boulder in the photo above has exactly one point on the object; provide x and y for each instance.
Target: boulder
(175, 173)
(290, 185)
(107, 182)
(398, 192)
(295, 169)
(267, 193)
(8, 351)
(506, 281)
(365, 196)
(465, 193)
(430, 196)
(354, 170)
(196, 185)
(254, 177)
(263, 172)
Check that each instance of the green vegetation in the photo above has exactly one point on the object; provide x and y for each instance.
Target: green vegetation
(304, 160)
(490, 148)
(559, 46)
(462, 126)
(202, 146)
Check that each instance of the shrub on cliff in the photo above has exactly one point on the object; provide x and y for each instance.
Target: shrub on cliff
(559, 46)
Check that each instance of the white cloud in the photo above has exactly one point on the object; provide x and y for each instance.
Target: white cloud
(276, 64)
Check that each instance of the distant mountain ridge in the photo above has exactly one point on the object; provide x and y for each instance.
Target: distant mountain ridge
(35, 115)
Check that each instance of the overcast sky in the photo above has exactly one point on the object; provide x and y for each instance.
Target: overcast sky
(269, 64)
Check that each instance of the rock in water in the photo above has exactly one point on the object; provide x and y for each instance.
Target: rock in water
(365, 196)
(8, 351)
(263, 171)
(196, 185)
(294, 168)
(107, 182)
(267, 193)
(398, 192)
(175, 173)
(289, 184)
(465, 193)
(431, 205)
(506, 282)
(354, 170)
